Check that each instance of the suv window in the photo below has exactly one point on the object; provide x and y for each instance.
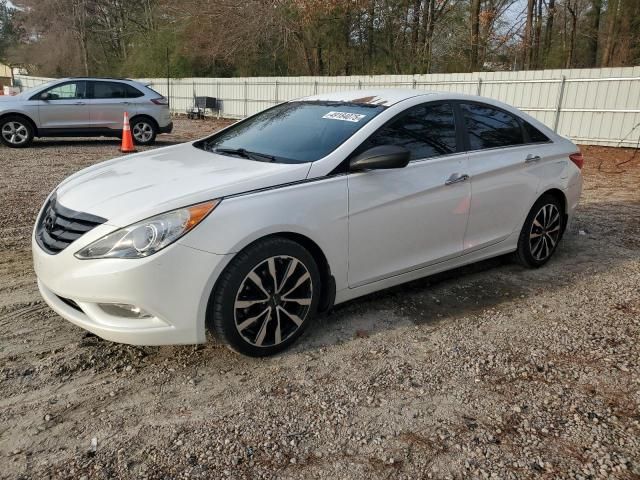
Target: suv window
(108, 90)
(67, 91)
(132, 92)
(425, 130)
(490, 127)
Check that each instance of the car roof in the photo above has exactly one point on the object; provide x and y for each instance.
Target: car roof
(383, 96)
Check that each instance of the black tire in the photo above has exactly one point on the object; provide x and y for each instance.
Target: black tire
(18, 128)
(143, 130)
(234, 288)
(538, 242)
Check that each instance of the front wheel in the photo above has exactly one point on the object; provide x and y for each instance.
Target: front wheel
(144, 131)
(16, 132)
(266, 297)
(541, 232)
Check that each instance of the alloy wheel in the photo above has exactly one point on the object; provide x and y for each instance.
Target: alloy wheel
(273, 301)
(15, 133)
(545, 232)
(142, 132)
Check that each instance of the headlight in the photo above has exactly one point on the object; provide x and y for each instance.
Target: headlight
(148, 236)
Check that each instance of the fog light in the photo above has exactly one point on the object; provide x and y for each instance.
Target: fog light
(124, 310)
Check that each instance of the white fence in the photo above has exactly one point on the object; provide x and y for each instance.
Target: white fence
(591, 106)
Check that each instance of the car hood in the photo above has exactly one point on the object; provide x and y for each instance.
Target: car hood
(134, 187)
(5, 99)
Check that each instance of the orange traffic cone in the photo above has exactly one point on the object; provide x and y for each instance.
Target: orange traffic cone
(127, 140)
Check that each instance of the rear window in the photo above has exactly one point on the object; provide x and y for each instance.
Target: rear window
(108, 90)
(490, 127)
(535, 135)
(295, 132)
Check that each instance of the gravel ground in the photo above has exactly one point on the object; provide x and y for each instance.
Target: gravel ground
(487, 371)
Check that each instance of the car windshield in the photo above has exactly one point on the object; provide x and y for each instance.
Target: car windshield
(294, 132)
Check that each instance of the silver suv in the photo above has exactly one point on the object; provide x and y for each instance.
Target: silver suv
(83, 107)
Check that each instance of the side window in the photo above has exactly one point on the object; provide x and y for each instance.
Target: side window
(425, 130)
(132, 92)
(108, 90)
(490, 127)
(67, 91)
(535, 135)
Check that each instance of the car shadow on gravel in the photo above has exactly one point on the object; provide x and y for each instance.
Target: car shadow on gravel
(494, 284)
(94, 143)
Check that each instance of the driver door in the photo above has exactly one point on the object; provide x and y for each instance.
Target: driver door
(65, 106)
(407, 218)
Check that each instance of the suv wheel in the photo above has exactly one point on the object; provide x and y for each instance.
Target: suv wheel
(144, 131)
(266, 297)
(16, 132)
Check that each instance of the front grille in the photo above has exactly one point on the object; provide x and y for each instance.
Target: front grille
(59, 226)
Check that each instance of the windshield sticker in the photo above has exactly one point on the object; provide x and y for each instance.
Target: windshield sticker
(344, 116)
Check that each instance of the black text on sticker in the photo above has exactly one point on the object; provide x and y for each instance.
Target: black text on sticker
(346, 116)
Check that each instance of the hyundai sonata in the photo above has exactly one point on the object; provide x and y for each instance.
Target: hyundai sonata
(254, 230)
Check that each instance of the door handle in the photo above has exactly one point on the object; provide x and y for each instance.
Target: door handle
(80, 103)
(532, 158)
(456, 178)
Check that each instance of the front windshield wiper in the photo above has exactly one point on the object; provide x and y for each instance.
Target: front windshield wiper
(243, 152)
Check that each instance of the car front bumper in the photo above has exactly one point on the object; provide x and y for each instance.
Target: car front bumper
(173, 286)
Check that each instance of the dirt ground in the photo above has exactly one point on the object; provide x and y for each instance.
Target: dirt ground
(487, 371)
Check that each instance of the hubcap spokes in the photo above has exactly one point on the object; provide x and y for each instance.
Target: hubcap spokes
(545, 232)
(142, 132)
(14, 132)
(273, 301)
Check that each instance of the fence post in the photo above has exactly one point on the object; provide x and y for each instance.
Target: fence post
(220, 104)
(315, 87)
(479, 86)
(414, 83)
(556, 121)
(246, 99)
(359, 84)
(277, 101)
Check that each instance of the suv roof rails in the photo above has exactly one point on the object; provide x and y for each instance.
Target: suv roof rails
(100, 78)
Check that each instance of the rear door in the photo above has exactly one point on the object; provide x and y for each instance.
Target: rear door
(503, 166)
(65, 106)
(407, 218)
(108, 101)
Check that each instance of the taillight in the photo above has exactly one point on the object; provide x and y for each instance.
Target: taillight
(160, 101)
(578, 159)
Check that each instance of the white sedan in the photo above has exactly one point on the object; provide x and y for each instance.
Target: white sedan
(254, 230)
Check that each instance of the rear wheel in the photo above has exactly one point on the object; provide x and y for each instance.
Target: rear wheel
(541, 232)
(16, 131)
(144, 131)
(266, 297)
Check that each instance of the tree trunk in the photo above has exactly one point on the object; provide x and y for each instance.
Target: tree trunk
(594, 30)
(612, 20)
(428, 37)
(475, 33)
(537, 35)
(528, 34)
(572, 38)
(548, 33)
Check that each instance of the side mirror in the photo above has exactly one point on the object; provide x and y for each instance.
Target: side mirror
(382, 157)
(44, 96)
